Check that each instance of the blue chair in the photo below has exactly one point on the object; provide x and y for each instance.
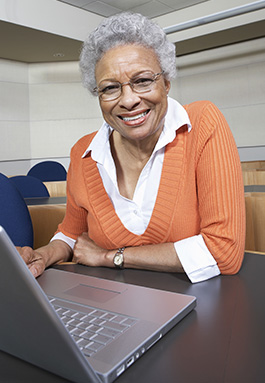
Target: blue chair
(48, 171)
(14, 214)
(30, 187)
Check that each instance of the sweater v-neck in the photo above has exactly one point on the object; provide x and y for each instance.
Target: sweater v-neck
(159, 225)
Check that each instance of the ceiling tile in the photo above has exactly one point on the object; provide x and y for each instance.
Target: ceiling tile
(125, 5)
(179, 4)
(101, 8)
(77, 3)
(152, 9)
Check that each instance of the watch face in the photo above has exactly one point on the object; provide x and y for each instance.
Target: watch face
(118, 259)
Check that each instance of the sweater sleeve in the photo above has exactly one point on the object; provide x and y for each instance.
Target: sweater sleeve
(220, 191)
(75, 220)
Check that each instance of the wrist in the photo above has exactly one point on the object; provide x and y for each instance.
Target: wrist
(118, 259)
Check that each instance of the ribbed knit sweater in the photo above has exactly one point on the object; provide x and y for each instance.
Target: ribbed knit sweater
(200, 192)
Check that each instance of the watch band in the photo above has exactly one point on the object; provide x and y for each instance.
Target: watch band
(118, 258)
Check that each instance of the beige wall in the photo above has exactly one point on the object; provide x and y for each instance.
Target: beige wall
(44, 109)
(232, 77)
(61, 110)
(14, 113)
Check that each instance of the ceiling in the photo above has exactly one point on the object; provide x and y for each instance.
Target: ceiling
(31, 46)
(147, 8)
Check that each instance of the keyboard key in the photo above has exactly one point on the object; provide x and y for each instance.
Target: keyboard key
(78, 316)
(98, 321)
(129, 322)
(66, 320)
(93, 328)
(98, 313)
(88, 352)
(118, 319)
(109, 332)
(76, 331)
(88, 318)
(101, 338)
(94, 346)
(74, 322)
(83, 325)
(87, 334)
(108, 316)
(115, 326)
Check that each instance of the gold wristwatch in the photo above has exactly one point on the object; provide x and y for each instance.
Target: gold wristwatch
(118, 258)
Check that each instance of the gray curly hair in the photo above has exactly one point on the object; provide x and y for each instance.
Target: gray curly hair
(122, 29)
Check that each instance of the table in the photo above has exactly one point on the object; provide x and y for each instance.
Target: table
(221, 341)
(45, 201)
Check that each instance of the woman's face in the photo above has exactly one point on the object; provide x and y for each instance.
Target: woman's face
(136, 116)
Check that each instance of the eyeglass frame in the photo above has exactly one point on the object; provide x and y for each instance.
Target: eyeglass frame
(154, 79)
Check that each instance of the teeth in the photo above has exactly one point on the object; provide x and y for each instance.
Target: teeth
(134, 117)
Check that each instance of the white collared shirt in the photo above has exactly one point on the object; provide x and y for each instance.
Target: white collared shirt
(135, 214)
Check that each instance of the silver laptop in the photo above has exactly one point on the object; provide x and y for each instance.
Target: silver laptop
(82, 328)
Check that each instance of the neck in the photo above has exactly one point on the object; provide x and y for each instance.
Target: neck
(138, 150)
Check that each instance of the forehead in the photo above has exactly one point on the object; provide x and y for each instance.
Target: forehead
(123, 62)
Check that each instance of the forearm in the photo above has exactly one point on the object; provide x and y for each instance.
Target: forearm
(157, 257)
(55, 252)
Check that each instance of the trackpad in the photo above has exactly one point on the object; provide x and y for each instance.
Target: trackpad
(93, 293)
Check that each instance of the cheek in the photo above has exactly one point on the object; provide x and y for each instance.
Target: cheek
(105, 110)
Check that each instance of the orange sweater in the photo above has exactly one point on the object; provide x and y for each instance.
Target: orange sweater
(201, 192)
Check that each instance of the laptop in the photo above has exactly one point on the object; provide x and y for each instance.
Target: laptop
(82, 328)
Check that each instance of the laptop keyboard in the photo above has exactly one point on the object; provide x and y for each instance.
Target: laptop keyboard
(91, 328)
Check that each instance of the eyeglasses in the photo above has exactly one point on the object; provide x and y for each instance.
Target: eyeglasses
(111, 90)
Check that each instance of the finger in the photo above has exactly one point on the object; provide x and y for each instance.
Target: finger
(26, 253)
(37, 268)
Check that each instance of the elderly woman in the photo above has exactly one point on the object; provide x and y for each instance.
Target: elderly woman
(159, 186)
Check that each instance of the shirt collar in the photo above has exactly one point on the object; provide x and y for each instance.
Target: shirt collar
(175, 118)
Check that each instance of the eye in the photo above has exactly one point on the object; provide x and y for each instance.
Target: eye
(143, 81)
(110, 88)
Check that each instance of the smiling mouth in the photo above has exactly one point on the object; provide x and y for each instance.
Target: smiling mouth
(134, 118)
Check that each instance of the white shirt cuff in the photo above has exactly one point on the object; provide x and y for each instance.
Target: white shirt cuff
(64, 238)
(197, 261)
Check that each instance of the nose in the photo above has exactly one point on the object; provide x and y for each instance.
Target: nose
(128, 98)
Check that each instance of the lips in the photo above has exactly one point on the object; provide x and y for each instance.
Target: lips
(133, 118)
(136, 118)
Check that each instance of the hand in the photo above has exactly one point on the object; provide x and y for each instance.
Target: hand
(88, 253)
(33, 259)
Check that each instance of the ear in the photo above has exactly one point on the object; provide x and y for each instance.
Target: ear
(167, 85)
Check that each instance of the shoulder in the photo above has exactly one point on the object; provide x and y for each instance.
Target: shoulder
(205, 116)
(201, 109)
(82, 144)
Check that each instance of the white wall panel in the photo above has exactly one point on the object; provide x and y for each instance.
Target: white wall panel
(15, 140)
(247, 124)
(54, 72)
(61, 101)
(14, 115)
(14, 101)
(15, 72)
(233, 78)
(55, 138)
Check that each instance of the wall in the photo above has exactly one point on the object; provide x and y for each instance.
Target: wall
(232, 77)
(14, 117)
(61, 110)
(44, 110)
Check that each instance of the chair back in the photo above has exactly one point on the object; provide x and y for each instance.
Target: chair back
(255, 221)
(14, 214)
(48, 171)
(30, 187)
